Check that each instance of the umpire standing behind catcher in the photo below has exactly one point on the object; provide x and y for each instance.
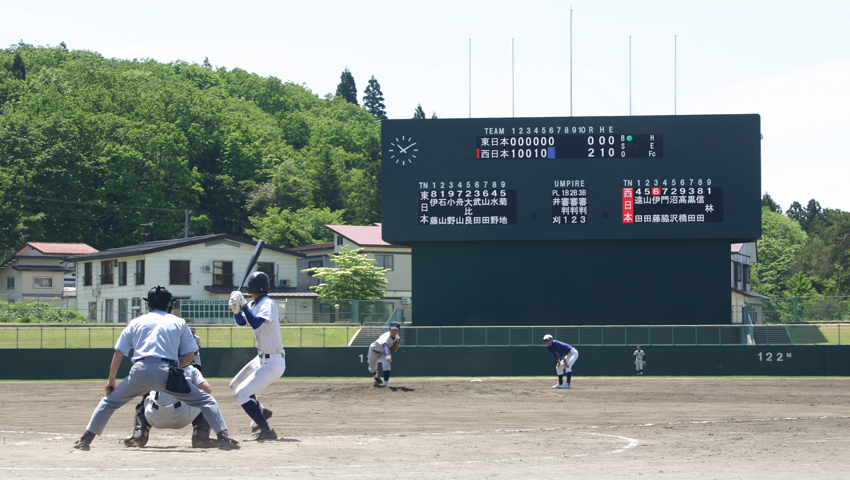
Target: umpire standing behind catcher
(158, 340)
(380, 350)
(270, 362)
(566, 355)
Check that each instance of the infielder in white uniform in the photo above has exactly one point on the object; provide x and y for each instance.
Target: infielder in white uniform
(565, 356)
(162, 410)
(380, 351)
(270, 362)
(639, 360)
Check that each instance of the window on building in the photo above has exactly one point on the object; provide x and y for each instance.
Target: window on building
(122, 310)
(137, 307)
(122, 273)
(179, 273)
(140, 272)
(384, 261)
(10, 283)
(314, 264)
(42, 282)
(87, 274)
(108, 314)
(339, 239)
(106, 268)
(222, 273)
(93, 311)
(268, 269)
(747, 278)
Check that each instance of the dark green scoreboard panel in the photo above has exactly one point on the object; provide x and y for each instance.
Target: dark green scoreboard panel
(591, 178)
(575, 221)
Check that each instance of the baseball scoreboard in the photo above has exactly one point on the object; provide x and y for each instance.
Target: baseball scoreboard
(572, 178)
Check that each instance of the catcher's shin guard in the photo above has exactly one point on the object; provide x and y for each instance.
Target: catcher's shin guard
(141, 427)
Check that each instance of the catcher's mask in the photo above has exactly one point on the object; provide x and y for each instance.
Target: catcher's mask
(159, 299)
(259, 283)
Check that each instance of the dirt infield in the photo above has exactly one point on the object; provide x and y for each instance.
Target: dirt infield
(461, 428)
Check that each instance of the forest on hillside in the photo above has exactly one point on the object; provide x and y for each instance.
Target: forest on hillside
(115, 152)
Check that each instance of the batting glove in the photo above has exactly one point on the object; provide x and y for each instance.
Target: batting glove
(238, 297)
(234, 305)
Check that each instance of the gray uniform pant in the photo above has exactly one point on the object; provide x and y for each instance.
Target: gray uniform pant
(147, 375)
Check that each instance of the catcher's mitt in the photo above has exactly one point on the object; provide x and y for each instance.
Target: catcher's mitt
(394, 347)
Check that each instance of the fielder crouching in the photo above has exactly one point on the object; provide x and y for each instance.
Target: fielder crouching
(162, 410)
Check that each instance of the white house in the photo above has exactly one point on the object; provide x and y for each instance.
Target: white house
(199, 271)
(397, 258)
(40, 271)
(743, 255)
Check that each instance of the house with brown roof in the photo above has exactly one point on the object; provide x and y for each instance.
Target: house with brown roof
(41, 272)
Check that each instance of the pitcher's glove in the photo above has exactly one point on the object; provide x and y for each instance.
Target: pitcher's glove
(394, 347)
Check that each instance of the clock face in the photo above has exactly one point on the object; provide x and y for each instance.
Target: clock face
(402, 150)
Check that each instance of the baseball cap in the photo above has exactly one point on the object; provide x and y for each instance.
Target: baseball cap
(547, 337)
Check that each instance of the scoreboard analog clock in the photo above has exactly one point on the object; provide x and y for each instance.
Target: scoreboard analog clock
(573, 178)
(402, 151)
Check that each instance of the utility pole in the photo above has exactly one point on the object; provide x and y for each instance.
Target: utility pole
(186, 223)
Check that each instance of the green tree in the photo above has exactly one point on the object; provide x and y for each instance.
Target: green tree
(346, 88)
(781, 240)
(374, 99)
(419, 113)
(807, 217)
(355, 277)
(288, 229)
(826, 257)
(767, 201)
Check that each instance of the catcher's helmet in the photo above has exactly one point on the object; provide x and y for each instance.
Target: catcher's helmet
(395, 325)
(258, 283)
(158, 298)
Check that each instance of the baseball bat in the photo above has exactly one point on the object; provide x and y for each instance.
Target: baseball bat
(252, 261)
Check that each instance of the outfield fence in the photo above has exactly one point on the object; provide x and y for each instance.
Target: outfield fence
(341, 335)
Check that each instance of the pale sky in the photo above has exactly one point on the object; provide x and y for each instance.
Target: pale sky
(787, 61)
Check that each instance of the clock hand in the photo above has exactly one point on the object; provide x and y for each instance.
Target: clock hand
(404, 150)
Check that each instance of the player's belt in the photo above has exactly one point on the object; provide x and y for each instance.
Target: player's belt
(176, 405)
(153, 359)
(270, 355)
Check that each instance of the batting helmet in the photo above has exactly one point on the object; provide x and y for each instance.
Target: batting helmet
(259, 283)
(395, 325)
(158, 298)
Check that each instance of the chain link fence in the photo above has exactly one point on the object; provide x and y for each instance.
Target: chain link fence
(341, 335)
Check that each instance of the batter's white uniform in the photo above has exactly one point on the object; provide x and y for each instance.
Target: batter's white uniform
(270, 362)
(376, 352)
(164, 411)
(639, 360)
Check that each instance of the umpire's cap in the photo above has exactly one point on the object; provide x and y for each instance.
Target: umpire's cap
(258, 283)
(395, 325)
(158, 298)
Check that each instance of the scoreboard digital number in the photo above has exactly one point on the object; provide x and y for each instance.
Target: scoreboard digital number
(591, 178)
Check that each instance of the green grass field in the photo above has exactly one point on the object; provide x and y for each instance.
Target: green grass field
(211, 336)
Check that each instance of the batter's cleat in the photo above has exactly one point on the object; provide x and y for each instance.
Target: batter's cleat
(557, 385)
(198, 442)
(82, 444)
(228, 444)
(566, 385)
(378, 382)
(267, 414)
(263, 435)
